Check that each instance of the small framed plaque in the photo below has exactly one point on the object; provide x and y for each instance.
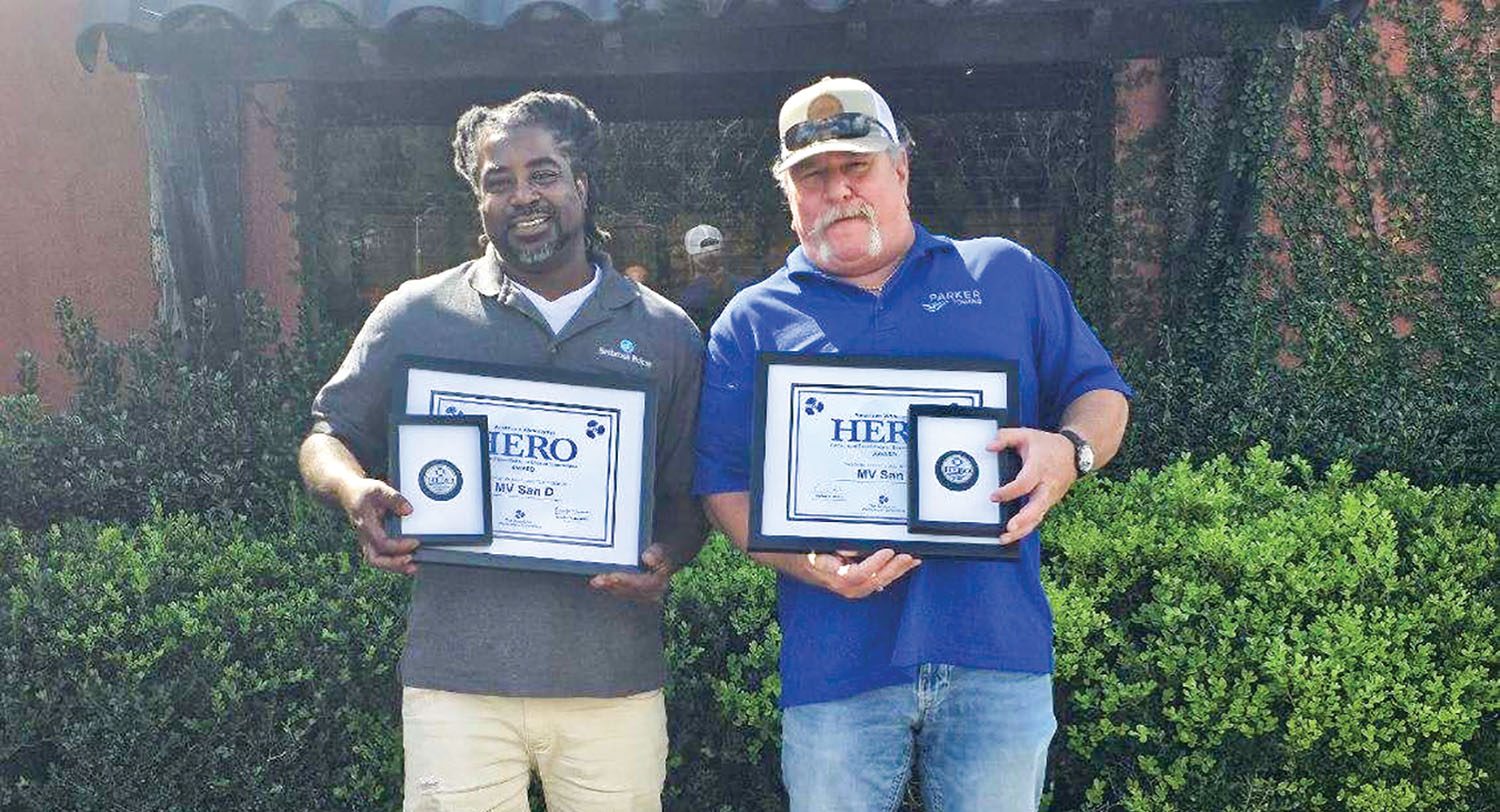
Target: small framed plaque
(439, 464)
(830, 467)
(571, 459)
(951, 474)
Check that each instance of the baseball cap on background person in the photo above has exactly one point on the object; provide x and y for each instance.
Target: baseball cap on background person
(701, 239)
(834, 115)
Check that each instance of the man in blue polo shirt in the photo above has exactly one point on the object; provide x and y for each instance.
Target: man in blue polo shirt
(890, 662)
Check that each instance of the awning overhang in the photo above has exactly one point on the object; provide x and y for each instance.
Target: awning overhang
(405, 40)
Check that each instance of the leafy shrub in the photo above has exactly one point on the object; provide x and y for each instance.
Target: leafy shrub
(179, 421)
(1228, 640)
(725, 727)
(1229, 637)
(187, 664)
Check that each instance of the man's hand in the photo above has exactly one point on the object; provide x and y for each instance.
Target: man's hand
(648, 587)
(842, 573)
(366, 502)
(1047, 472)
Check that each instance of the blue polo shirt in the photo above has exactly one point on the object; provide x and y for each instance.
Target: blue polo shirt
(984, 298)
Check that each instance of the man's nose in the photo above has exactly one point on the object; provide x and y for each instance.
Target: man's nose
(524, 194)
(838, 186)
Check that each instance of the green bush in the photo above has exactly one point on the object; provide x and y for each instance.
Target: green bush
(1230, 640)
(1229, 637)
(187, 664)
(188, 422)
(725, 728)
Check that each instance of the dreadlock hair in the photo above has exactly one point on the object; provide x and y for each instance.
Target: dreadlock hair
(572, 124)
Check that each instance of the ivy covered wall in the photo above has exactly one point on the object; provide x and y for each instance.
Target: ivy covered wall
(1331, 263)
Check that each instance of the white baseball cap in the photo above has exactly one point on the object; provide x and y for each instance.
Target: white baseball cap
(834, 115)
(701, 239)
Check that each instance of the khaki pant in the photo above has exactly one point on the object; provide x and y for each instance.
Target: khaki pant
(472, 753)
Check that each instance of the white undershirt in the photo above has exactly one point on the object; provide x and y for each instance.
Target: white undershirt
(560, 311)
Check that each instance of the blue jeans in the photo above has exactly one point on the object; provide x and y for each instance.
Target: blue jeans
(978, 738)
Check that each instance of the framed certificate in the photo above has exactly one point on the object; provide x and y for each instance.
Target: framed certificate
(830, 449)
(570, 456)
(440, 465)
(951, 473)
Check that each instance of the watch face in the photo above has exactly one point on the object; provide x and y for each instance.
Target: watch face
(1085, 458)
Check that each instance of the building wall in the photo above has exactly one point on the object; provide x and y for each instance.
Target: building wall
(74, 218)
(271, 260)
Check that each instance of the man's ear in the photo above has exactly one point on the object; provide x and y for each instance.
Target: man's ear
(583, 188)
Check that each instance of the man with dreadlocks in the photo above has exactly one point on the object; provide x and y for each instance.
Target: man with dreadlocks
(508, 672)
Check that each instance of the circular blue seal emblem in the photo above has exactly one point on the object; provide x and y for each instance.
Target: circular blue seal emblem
(957, 471)
(440, 480)
(627, 346)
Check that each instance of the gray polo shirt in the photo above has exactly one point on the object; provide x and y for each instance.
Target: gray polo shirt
(508, 632)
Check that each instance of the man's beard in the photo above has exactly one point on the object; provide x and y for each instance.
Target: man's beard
(536, 253)
(533, 255)
(823, 251)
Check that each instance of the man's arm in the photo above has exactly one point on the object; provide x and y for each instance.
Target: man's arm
(835, 573)
(1047, 471)
(333, 475)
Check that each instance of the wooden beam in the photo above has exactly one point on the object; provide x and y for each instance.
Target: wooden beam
(193, 141)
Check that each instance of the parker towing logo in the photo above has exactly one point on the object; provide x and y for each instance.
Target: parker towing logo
(938, 300)
(625, 351)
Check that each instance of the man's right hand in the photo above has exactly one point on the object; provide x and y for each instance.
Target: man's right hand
(366, 502)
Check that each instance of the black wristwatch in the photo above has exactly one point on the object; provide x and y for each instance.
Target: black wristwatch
(1083, 453)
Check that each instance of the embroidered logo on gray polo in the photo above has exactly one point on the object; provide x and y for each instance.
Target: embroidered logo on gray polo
(957, 471)
(938, 300)
(625, 351)
(440, 480)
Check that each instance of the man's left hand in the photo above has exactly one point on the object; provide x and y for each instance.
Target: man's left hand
(1047, 472)
(648, 586)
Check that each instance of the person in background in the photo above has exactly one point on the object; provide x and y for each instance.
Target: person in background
(710, 286)
(638, 273)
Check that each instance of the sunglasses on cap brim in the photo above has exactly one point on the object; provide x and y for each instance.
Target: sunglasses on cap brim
(834, 128)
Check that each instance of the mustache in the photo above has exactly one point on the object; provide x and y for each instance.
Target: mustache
(845, 211)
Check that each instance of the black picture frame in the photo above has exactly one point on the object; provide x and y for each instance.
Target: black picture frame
(998, 375)
(1008, 465)
(502, 382)
(394, 524)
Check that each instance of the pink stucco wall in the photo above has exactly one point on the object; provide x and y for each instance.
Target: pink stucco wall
(74, 217)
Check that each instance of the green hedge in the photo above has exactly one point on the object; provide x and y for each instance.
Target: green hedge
(181, 421)
(1230, 637)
